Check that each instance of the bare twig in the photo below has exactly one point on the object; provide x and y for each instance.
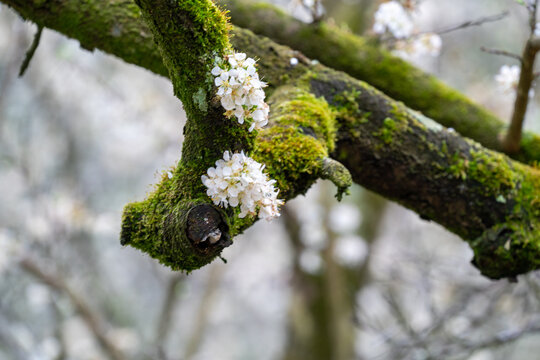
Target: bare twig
(475, 22)
(31, 51)
(164, 323)
(92, 319)
(466, 24)
(204, 311)
(501, 339)
(532, 15)
(501, 52)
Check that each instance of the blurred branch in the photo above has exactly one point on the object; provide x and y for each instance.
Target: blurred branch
(204, 311)
(91, 318)
(512, 140)
(532, 6)
(501, 339)
(501, 52)
(476, 22)
(164, 323)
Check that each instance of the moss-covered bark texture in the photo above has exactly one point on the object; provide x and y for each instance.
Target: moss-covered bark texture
(116, 27)
(317, 114)
(363, 59)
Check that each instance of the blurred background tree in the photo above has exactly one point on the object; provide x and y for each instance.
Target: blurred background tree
(83, 133)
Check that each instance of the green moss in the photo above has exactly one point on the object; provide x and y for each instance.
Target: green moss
(386, 133)
(301, 134)
(493, 171)
(458, 166)
(313, 116)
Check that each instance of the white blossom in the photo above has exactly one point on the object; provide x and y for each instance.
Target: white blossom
(238, 180)
(428, 44)
(392, 17)
(508, 78)
(240, 90)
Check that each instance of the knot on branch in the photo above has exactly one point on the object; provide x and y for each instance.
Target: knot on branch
(185, 237)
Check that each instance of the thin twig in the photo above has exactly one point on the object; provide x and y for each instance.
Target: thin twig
(466, 24)
(532, 16)
(204, 311)
(501, 52)
(31, 51)
(92, 320)
(501, 339)
(476, 22)
(164, 323)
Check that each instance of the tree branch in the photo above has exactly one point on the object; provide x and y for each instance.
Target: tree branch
(501, 52)
(480, 195)
(476, 22)
(512, 140)
(364, 60)
(92, 320)
(118, 30)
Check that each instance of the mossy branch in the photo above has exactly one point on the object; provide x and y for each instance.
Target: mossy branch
(486, 198)
(117, 29)
(367, 61)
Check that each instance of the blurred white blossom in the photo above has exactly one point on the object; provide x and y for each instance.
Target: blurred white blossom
(126, 339)
(392, 17)
(240, 90)
(310, 261)
(38, 296)
(9, 250)
(350, 251)
(239, 180)
(344, 218)
(428, 44)
(508, 77)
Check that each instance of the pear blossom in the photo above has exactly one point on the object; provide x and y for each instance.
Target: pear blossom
(508, 78)
(421, 45)
(427, 44)
(240, 90)
(238, 180)
(391, 16)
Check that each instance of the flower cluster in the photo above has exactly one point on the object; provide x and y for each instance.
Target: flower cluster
(508, 78)
(392, 17)
(240, 90)
(396, 19)
(239, 180)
